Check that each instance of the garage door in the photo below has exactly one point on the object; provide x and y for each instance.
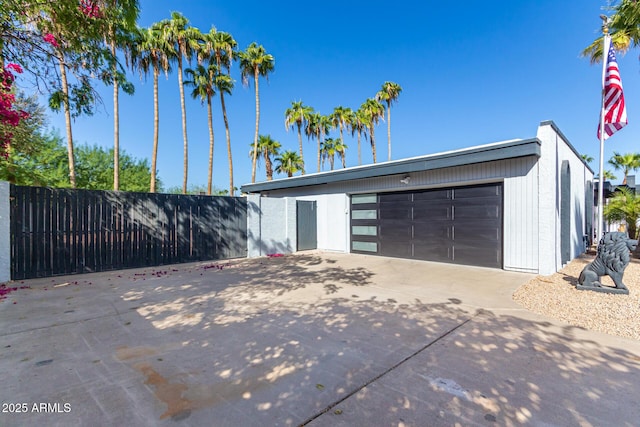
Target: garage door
(461, 225)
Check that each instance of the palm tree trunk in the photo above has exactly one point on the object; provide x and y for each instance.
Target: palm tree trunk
(344, 161)
(184, 127)
(67, 118)
(319, 151)
(255, 137)
(210, 117)
(268, 167)
(389, 127)
(373, 142)
(331, 161)
(156, 125)
(359, 150)
(116, 125)
(226, 127)
(300, 143)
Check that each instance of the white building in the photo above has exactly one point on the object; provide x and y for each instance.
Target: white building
(521, 205)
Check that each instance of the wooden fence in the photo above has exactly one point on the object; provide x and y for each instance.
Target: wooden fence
(63, 231)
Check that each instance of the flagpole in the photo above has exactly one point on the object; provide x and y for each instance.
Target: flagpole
(605, 52)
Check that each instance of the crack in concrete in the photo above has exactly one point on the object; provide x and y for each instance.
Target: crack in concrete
(377, 377)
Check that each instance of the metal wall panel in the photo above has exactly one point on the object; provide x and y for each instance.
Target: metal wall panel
(307, 225)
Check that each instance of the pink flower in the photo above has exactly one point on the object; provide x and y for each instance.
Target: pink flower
(14, 67)
(50, 38)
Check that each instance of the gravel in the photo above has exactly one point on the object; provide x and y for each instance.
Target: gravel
(556, 296)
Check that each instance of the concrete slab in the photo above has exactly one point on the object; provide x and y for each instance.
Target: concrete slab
(314, 338)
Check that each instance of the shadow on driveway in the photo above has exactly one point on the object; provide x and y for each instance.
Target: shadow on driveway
(313, 338)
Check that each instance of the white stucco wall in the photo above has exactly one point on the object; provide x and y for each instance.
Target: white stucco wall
(271, 225)
(333, 221)
(5, 237)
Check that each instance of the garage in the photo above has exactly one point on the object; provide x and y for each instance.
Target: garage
(461, 225)
(518, 205)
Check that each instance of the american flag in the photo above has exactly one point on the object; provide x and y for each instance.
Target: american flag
(615, 110)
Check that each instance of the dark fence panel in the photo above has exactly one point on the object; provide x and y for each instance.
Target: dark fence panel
(62, 231)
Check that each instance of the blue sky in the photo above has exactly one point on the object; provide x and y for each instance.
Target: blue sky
(471, 72)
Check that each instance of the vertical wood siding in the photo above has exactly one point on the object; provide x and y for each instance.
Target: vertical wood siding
(59, 231)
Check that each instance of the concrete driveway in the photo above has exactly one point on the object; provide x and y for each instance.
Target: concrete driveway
(316, 338)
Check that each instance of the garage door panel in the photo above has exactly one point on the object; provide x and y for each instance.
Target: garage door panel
(476, 211)
(436, 211)
(397, 212)
(433, 252)
(394, 197)
(395, 249)
(432, 195)
(431, 232)
(477, 191)
(399, 232)
(473, 256)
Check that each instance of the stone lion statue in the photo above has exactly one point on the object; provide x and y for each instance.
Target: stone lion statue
(612, 258)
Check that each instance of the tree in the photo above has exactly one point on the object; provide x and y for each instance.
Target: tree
(186, 40)
(267, 147)
(120, 35)
(372, 111)
(341, 151)
(95, 170)
(256, 62)
(289, 162)
(624, 206)
(222, 45)
(608, 176)
(359, 127)
(587, 158)
(317, 127)
(61, 46)
(626, 162)
(389, 94)
(340, 118)
(297, 116)
(202, 81)
(624, 27)
(328, 150)
(152, 52)
(33, 157)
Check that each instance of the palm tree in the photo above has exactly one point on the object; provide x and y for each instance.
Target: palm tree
(202, 81)
(317, 127)
(373, 111)
(267, 147)
(328, 150)
(624, 27)
(152, 52)
(289, 162)
(389, 93)
(120, 34)
(608, 176)
(297, 116)
(624, 206)
(626, 162)
(340, 118)
(222, 46)
(341, 150)
(186, 41)
(256, 62)
(359, 126)
(587, 158)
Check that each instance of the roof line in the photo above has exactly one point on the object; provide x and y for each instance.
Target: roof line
(478, 154)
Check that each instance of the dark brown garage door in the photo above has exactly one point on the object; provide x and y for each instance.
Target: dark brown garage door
(461, 225)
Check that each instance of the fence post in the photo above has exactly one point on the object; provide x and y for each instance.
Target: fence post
(5, 233)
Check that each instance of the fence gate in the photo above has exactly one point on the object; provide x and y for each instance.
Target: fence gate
(63, 231)
(306, 225)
